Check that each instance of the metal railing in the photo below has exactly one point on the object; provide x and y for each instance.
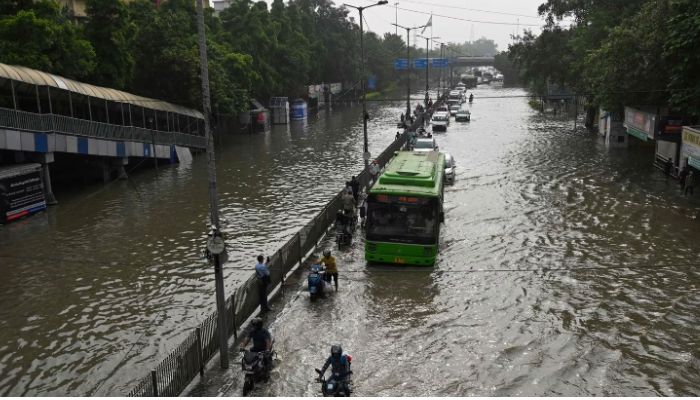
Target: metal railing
(53, 123)
(174, 373)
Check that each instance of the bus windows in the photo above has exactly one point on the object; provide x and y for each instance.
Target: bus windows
(405, 223)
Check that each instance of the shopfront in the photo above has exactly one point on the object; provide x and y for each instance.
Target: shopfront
(640, 124)
(690, 147)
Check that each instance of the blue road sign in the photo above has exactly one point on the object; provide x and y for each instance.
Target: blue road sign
(420, 63)
(372, 82)
(439, 62)
(400, 63)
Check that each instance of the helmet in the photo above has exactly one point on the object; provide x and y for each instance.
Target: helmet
(257, 323)
(327, 253)
(336, 350)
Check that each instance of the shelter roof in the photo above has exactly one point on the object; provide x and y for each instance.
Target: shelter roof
(41, 78)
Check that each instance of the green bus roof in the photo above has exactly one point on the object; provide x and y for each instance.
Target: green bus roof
(412, 173)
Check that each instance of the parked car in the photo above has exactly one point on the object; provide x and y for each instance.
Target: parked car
(450, 168)
(425, 144)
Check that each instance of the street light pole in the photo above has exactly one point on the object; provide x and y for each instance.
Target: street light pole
(216, 245)
(365, 155)
(408, 68)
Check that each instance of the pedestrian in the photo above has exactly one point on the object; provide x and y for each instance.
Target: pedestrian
(262, 272)
(667, 166)
(682, 176)
(398, 135)
(403, 117)
(355, 185)
(374, 170)
(689, 181)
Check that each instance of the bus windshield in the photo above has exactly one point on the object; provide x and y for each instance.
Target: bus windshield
(402, 219)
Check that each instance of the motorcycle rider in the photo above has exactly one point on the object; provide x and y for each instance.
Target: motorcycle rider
(340, 366)
(262, 341)
(331, 268)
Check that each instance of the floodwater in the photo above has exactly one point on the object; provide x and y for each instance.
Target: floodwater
(565, 269)
(98, 290)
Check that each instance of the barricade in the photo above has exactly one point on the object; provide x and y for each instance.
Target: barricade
(178, 369)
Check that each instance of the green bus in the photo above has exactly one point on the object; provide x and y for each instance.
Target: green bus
(404, 210)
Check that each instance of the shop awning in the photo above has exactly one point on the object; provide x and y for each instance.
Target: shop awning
(637, 133)
(694, 162)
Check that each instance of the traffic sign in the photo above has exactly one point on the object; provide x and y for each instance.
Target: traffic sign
(420, 63)
(400, 63)
(439, 62)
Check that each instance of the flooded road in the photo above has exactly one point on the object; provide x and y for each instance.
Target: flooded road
(565, 268)
(99, 289)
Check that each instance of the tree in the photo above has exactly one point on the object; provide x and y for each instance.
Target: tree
(111, 32)
(682, 57)
(42, 37)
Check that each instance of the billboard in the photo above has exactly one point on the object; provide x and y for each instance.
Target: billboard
(21, 192)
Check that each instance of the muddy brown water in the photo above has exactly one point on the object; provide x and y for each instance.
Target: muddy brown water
(565, 268)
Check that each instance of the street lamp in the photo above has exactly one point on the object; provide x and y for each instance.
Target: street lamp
(427, 64)
(440, 82)
(366, 154)
(408, 67)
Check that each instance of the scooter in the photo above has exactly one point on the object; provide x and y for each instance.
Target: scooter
(316, 283)
(255, 368)
(334, 387)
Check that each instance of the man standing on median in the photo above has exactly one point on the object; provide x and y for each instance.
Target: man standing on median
(262, 272)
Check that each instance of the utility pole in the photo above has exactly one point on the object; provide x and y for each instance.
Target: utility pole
(396, 18)
(408, 69)
(216, 244)
(366, 154)
(427, 66)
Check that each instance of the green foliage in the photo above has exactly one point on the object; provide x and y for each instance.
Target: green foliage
(681, 53)
(254, 50)
(111, 33)
(38, 35)
(635, 52)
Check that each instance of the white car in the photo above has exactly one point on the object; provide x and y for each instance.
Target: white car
(454, 109)
(425, 144)
(450, 168)
(440, 121)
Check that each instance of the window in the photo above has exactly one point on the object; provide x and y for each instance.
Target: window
(403, 223)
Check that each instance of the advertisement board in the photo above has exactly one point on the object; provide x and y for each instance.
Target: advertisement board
(640, 123)
(690, 146)
(21, 192)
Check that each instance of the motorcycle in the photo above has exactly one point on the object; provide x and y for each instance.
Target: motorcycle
(316, 283)
(334, 387)
(255, 368)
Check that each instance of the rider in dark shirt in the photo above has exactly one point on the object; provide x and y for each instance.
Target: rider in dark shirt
(339, 363)
(262, 340)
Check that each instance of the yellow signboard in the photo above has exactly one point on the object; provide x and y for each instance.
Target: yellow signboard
(690, 137)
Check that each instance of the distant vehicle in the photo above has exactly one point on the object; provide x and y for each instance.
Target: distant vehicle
(405, 210)
(441, 108)
(454, 109)
(456, 96)
(425, 145)
(440, 121)
(463, 115)
(450, 168)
